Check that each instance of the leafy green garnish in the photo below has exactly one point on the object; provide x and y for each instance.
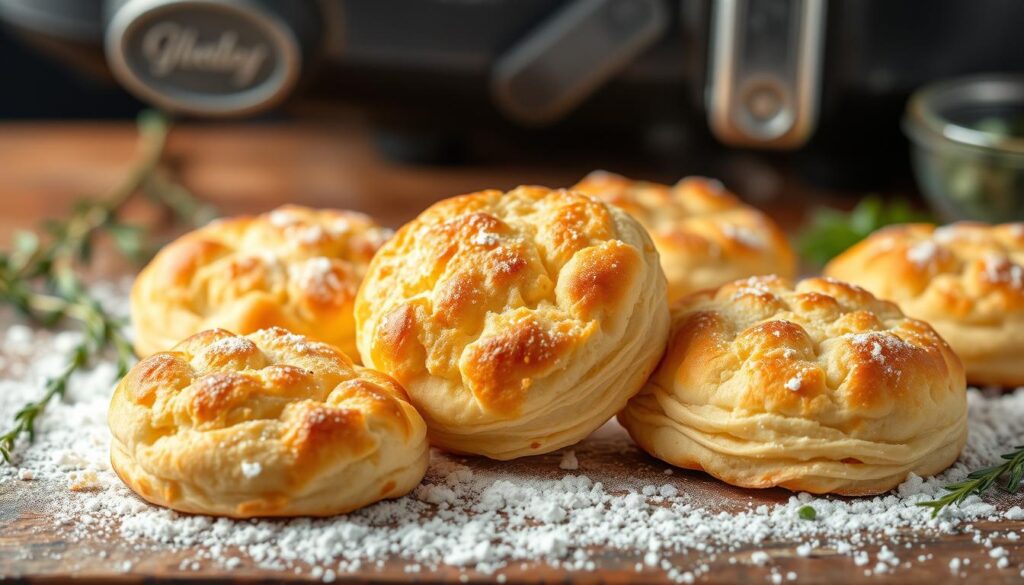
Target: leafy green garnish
(40, 276)
(830, 232)
(978, 482)
(807, 513)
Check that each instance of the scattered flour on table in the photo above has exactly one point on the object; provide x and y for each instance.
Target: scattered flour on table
(482, 519)
(922, 253)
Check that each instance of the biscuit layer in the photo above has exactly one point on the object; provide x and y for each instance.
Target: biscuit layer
(269, 424)
(819, 387)
(518, 322)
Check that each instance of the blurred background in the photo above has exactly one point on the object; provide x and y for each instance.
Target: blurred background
(387, 105)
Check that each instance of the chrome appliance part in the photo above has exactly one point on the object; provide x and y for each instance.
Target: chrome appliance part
(573, 53)
(210, 57)
(765, 71)
(967, 138)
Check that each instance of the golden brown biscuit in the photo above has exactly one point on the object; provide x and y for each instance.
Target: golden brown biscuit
(270, 424)
(518, 322)
(705, 235)
(819, 387)
(294, 267)
(965, 279)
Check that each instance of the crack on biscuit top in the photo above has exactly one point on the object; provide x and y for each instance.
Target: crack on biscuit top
(961, 270)
(447, 287)
(290, 403)
(796, 343)
(312, 258)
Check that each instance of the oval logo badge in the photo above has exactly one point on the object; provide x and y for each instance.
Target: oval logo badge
(203, 57)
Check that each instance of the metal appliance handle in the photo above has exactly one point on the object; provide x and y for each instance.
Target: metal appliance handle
(765, 71)
(569, 56)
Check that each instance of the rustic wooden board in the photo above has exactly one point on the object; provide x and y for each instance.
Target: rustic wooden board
(33, 550)
(248, 168)
(245, 168)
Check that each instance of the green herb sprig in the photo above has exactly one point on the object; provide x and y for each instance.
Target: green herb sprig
(830, 232)
(981, 480)
(39, 276)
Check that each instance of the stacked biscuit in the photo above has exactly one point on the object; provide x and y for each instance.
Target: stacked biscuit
(507, 324)
(706, 237)
(816, 387)
(966, 279)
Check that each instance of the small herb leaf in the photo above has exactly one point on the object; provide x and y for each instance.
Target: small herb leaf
(807, 513)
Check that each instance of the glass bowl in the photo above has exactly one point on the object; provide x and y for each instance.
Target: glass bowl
(967, 138)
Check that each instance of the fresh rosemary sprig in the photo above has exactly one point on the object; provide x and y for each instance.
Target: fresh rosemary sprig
(40, 280)
(70, 300)
(25, 418)
(979, 481)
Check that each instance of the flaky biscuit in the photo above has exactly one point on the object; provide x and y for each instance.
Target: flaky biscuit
(518, 322)
(965, 279)
(269, 424)
(294, 267)
(819, 387)
(705, 235)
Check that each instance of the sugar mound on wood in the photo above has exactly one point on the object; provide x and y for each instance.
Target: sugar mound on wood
(481, 519)
(569, 461)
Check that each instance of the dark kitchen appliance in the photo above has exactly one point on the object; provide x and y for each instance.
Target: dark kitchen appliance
(827, 76)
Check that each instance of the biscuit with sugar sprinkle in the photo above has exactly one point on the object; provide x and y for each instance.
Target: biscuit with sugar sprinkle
(965, 279)
(518, 322)
(705, 235)
(267, 424)
(294, 267)
(818, 387)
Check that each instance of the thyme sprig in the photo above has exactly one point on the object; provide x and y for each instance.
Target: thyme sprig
(979, 481)
(39, 276)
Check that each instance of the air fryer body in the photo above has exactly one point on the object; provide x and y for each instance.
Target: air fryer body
(816, 76)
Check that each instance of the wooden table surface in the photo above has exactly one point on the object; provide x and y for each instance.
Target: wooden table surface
(31, 548)
(44, 167)
(243, 168)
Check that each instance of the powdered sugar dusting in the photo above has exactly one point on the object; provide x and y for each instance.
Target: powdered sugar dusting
(319, 278)
(282, 218)
(743, 235)
(946, 234)
(234, 345)
(487, 518)
(922, 253)
(484, 238)
(311, 230)
(876, 352)
(312, 234)
(1000, 269)
(251, 469)
(884, 349)
(793, 384)
(753, 286)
